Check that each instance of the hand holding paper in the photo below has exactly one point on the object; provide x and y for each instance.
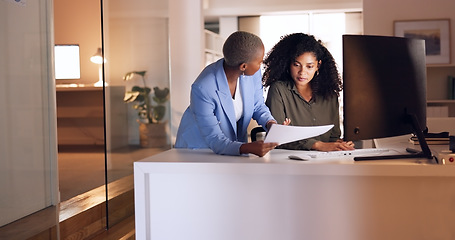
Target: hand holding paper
(284, 134)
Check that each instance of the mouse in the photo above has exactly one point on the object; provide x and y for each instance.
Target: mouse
(294, 157)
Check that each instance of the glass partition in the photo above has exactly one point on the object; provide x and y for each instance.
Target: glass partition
(136, 72)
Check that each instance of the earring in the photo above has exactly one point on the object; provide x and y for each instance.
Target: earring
(243, 73)
(317, 72)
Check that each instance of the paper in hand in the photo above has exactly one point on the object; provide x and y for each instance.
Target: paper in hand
(284, 134)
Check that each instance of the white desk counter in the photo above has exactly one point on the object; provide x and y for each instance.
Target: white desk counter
(196, 194)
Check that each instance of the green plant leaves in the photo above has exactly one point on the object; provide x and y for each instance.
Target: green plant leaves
(140, 95)
(161, 96)
(158, 112)
(129, 75)
(130, 96)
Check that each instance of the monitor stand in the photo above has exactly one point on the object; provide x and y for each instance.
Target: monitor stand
(425, 153)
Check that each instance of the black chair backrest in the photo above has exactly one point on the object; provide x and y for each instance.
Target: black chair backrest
(255, 131)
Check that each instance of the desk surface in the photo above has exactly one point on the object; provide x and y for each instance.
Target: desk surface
(76, 87)
(277, 161)
(196, 194)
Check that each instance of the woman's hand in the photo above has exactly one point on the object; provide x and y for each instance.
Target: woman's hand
(333, 146)
(286, 122)
(259, 148)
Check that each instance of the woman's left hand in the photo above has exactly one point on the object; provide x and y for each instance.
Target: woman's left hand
(333, 146)
(286, 122)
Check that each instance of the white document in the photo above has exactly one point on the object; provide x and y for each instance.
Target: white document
(283, 134)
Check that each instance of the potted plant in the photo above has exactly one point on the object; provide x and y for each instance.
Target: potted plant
(153, 130)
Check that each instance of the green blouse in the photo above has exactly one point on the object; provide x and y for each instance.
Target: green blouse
(284, 101)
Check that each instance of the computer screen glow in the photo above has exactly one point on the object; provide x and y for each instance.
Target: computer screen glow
(67, 62)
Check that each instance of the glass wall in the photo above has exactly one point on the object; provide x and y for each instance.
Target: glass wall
(98, 135)
(80, 118)
(136, 71)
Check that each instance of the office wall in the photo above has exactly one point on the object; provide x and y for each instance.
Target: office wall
(378, 20)
(28, 151)
(258, 7)
(79, 22)
(380, 15)
(136, 39)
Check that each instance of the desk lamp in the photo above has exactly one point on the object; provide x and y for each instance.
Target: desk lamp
(98, 59)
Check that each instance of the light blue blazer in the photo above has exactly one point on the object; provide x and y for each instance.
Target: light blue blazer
(209, 121)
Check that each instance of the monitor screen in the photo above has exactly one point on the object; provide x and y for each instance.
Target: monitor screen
(384, 86)
(67, 61)
(384, 78)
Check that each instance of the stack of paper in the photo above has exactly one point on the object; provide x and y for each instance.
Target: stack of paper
(284, 134)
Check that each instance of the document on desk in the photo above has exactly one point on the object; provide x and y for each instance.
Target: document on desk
(285, 134)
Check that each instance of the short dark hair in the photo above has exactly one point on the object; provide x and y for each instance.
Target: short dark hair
(240, 47)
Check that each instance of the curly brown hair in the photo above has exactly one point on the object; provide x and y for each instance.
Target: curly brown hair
(279, 59)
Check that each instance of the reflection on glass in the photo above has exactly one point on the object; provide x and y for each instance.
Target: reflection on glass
(136, 44)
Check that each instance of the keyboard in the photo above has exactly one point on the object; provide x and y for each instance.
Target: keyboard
(353, 153)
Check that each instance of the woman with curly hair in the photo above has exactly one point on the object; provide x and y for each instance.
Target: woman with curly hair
(304, 86)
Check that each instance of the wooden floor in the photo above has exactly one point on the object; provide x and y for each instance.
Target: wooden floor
(82, 168)
(84, 216)
(123, 230)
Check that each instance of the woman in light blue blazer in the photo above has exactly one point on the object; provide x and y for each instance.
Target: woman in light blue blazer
(224, 98)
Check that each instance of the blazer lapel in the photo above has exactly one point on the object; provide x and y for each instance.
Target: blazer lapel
(248, 98)
(225, 97)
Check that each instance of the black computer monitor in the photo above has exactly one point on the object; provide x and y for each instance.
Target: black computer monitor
(384, 89)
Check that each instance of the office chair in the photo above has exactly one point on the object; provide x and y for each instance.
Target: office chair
(255, 131)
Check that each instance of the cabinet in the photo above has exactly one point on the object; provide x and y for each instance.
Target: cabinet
(438, 102)
(80, 118)
(440, 109)
(80, 115)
